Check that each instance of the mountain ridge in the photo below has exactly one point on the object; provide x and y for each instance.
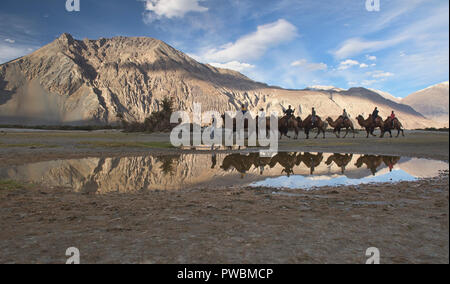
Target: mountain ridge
(432, 102)
(75, 82)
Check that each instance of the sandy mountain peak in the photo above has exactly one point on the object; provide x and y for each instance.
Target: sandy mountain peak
(75, 82)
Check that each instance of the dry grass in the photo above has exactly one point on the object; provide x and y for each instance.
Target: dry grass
(105, 144)
(27, 145)
(10, 185)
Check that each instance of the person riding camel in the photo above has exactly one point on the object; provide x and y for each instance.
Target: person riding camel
(375, 114)
(289, 112)
(244, 109)
(261, 113)
(345, 115)
(313, 116)
(393, 118)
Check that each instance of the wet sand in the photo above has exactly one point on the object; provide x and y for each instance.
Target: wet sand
(408, 221)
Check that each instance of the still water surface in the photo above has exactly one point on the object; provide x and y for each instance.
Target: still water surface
(188, 171)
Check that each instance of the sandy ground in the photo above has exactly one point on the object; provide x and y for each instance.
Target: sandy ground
(408, 222)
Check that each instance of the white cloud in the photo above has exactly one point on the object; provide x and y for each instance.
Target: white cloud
(8, 40)
(254, 45)
(7, 52)
(171, 8)
(355, 46)
(363, 65)
(368, 82)
(344, 65)
(371, 57)
(381, 74)
(309, 65)
(233, 65)
(416, 32)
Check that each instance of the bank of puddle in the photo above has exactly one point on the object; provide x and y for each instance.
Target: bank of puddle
(214, 171)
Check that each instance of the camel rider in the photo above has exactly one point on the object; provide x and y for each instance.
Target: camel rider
(393, 118)
(375, 114)
(262, 112)
(289, 112)
(345, 115)
(244, 109)
(313, 116)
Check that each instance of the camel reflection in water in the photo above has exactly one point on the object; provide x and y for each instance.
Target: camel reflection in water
(341, 160)
(373, 162)
(289, 160)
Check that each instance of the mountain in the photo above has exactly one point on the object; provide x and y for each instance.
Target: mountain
(80, 82)
(324, 88)
(432, 102)
(387, 96)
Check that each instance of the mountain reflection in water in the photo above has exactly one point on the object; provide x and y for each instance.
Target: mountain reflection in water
(187, 171)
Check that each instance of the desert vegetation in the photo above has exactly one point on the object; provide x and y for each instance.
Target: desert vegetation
(158, 121)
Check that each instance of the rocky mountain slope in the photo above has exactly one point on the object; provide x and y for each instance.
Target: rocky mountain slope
(432, 102)
(74, 82)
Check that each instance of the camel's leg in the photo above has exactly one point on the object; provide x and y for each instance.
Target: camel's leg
(318, 133)
(368, 131)
(307, 133)
(323, 130)
(335, 133)
(346, 132)
(398, 133)
(403, 133)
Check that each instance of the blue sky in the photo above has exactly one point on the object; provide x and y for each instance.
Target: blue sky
(399, 49)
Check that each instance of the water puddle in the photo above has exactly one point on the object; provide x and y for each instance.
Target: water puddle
(188, 171)
(302, 182)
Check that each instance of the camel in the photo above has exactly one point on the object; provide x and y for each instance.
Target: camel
(259, 162)
(312, 161)
(319, 124)
(340, 123)
(239, 162)
(390, 161)
(370, 125)
(372, 162)
(340, 160)
(286, 160)
(234, 123)
(287, 123)
(389, 125)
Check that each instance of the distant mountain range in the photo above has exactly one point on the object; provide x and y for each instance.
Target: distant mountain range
(81, 82)
(432, 102)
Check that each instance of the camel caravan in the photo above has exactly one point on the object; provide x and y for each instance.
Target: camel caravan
(290, 122)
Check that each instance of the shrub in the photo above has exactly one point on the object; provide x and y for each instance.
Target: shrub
(158, 121)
